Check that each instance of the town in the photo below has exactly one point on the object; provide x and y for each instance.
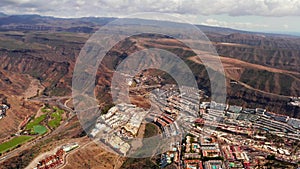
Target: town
(214, 135)
(236, 137)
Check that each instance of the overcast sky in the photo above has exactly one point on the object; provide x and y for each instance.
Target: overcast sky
(256, 15)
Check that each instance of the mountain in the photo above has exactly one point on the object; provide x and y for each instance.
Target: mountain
(46, 23)
(38, 55)
(2, 14)
(46, 48)
(91, 24)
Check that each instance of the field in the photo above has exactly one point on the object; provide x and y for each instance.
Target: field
(35, 128)
(35, 122)
(56, 115)
(39, 129)
(13, 143)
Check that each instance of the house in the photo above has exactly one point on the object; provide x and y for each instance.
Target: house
(235, 109)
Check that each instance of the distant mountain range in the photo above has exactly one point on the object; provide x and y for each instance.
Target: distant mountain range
(91, 24)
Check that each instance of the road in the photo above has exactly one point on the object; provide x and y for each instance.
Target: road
(56, 100)
(72, 152)
(144, 87)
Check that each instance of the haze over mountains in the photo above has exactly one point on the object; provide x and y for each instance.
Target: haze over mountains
(266, 66)
(52, 23)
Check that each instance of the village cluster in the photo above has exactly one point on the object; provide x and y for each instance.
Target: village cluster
(57, 159)
(215, 135)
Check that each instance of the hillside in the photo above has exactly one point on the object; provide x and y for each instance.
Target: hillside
(259, 85)
(265, 65)
(38, 55)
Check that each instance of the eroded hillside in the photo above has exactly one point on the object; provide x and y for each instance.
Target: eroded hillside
(264, 67)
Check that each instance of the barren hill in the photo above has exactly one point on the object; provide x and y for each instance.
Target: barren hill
(39, 53)
(266, 66)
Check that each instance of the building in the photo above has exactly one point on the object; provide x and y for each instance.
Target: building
(281, 118)
(260, 111)
(118, 144)
(205, 105)
(70, 147)
(3, 109)
(207, 141)
(249, 111)
(52, 161)
(235, 109)
(294, 123)
(228, 153)
(193, 164)
(218, 106)
(213, 164)
(211, 153)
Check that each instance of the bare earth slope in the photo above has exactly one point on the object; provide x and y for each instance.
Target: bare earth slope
(266, 69)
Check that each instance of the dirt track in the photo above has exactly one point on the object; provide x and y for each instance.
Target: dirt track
(231, 63)
(233, 68)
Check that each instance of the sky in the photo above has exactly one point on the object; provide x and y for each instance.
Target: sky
(253, 15)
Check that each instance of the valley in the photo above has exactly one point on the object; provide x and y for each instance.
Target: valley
(36, 70)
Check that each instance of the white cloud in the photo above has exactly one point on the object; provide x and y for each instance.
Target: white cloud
(236, 25)
(241, 14)
(125, 7)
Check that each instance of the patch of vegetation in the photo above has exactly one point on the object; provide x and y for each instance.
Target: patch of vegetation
(150, 130)
(56, 115)
(23, 158)
(56, 109)
(45, 109)
(39, 129)
(257, 78)
(13, 143)
(106, 108)
(35, 122)
(271, 157)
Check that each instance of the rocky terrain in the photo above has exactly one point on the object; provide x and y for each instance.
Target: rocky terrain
(38, 55)
(265, 65)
